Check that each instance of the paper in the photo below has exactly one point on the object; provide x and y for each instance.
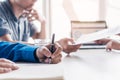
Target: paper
(98, 35)
(35, 72)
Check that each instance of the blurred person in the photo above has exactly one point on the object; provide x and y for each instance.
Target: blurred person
(16, 24)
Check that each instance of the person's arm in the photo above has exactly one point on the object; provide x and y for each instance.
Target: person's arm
(17, 52)
(24, 53)
(34, 15)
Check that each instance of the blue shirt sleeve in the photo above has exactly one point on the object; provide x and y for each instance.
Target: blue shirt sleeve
(17, 52)
(4, 29)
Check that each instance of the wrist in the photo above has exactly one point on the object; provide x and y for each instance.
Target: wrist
(35, 55)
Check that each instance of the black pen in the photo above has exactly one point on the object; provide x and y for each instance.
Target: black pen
(52, 47)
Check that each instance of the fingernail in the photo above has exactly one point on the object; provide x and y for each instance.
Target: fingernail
(15, 67)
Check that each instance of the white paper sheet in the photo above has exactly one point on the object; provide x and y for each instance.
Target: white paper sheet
(98, 35)
(35, 72)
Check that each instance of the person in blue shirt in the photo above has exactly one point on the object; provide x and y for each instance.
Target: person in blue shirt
(25, 53)
(18, 52)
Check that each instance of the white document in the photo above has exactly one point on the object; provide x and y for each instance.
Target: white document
(35, 72)
(98, 35)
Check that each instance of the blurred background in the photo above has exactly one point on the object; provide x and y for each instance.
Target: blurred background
(60, 13)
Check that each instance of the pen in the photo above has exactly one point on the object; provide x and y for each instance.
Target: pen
(52, 47)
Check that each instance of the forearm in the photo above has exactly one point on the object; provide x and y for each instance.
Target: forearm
(17, 52)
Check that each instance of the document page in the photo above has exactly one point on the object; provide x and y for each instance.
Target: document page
(98, 35)
(35, 72)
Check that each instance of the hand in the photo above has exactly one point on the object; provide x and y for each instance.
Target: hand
(33, 15)
(102, 41)
(7, 66)
(68, 45)
(45, 56)
(113, 45)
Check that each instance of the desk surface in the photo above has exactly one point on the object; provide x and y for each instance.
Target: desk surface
(89, 64)
(92, 65)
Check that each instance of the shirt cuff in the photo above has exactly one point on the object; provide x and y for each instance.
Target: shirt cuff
(29, 54)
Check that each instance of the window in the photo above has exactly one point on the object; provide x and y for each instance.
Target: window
(113, 13)
(63, 11)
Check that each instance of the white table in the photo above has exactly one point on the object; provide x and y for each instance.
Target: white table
(96, 64)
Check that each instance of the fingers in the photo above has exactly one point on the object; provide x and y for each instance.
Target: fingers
(45, 56)
(57, 51)
(4, 70)
(7, 66)
(70, 40)
(54, 60)
(46, 52)
(33, 15)
(109, 46)
(56, 56)
(43, 52)
(113, 44)
(72, 48)
(5, 60)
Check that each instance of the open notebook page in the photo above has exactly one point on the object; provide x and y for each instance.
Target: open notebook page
(35, 72)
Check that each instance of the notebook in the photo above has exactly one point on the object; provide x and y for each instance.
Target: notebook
(35, 72)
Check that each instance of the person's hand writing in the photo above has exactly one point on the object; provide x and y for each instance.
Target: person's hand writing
(44, 54)
(7, 66)
(68, 45)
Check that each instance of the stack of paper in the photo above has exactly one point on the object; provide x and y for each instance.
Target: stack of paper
(35, 72)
